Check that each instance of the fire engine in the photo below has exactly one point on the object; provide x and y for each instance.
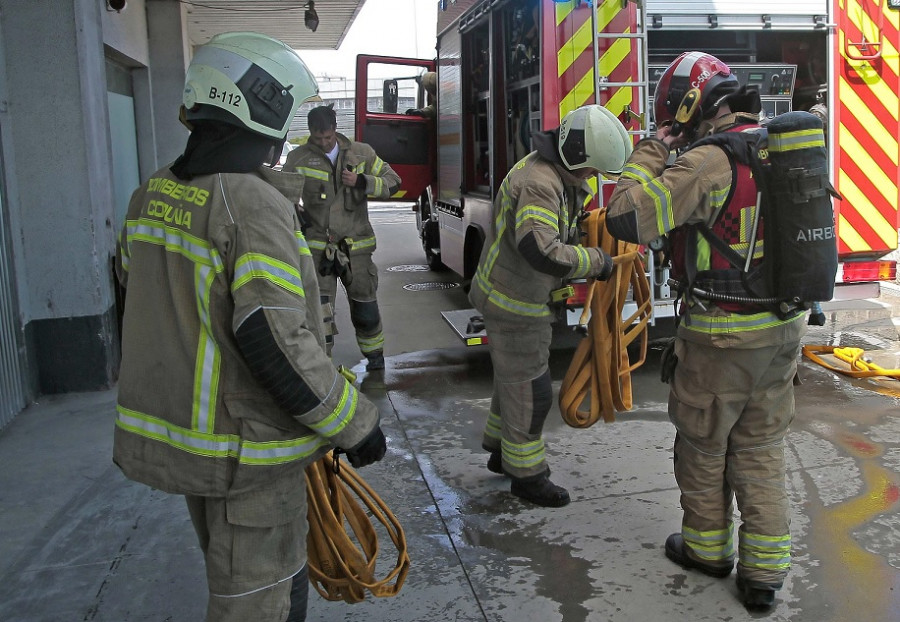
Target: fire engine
(506, 69)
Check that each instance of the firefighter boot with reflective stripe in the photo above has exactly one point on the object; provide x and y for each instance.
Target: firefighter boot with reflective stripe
(676, 550)
(756, 596)
(540, 491)
(495, 464)
(376, 361)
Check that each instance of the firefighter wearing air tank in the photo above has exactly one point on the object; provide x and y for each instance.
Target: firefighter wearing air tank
(731, 391)
(531, 249)
(226, 393)
(340, 177)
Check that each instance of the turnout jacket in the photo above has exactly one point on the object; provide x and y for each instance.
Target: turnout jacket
(533, 242)
(652, 199)
(197, 258)
(332, 210)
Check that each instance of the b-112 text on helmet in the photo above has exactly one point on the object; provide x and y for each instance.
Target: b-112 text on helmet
(247, 79)
(592, 137)
(691, 89)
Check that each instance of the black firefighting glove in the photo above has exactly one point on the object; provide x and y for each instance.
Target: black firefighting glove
(370, 449)
(606, 266)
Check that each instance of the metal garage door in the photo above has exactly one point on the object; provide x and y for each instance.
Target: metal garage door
(12, 394)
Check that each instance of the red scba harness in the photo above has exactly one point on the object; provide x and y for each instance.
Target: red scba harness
(730, 238)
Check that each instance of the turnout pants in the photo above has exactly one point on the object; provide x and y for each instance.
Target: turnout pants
(731, 409)
(361, 283)
(522, 395)
(254, 573)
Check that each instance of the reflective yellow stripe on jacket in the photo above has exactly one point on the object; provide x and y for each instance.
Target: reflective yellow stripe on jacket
(200, 439)
(662, 198)
(481, 278)
(735, 322)
(314, 173)
(218, 445)
(355, 245)
(207, 264)
(257, 266)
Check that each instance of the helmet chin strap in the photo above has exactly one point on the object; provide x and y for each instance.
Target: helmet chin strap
(705, 127)
(182, 116)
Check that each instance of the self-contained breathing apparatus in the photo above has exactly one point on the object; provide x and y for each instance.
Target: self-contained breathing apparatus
(799, 261)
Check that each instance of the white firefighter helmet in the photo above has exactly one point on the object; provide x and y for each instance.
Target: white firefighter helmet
(592, 137)
(247, 79)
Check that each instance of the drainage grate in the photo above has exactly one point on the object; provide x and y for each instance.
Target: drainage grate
(429, 286)
(409, 268)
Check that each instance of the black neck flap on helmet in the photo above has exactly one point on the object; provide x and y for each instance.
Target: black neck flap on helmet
(221, 147)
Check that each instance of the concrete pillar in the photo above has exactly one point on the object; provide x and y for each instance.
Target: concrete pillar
(169, 58)
(58, 131)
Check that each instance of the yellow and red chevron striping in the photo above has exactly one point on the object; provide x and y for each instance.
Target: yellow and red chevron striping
(572, 43)
(867, 124)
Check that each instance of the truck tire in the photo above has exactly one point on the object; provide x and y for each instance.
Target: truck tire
(472, 254)
(431, 246)
(429, 234)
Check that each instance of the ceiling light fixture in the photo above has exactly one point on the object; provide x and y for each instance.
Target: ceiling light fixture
(310, 17)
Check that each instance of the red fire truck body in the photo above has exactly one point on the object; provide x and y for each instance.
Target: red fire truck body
(506, 69)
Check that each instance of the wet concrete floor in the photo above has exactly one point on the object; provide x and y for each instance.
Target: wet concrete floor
(79, 542)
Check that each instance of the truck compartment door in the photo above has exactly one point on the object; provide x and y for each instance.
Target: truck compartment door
(388, 92)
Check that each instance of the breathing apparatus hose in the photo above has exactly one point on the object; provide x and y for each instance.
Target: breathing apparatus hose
(717, 297)
(600, 371)
(342, 544)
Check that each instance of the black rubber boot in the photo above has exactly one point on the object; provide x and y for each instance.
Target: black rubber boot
(540, 491)
(676, 550)
(495, 463)
(756, 596)
(376, 362)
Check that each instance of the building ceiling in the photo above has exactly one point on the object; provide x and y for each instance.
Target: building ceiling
(282, 19)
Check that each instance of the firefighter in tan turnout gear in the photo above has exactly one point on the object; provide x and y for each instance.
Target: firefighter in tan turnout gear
(731, 397)
(226, 393)
(340, 177)
(531, 248)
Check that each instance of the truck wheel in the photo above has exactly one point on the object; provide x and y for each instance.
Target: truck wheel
(431, 245)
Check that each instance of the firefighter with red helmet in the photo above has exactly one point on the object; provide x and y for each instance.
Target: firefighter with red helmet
(731, 390)
(225, 392)
(531, 248)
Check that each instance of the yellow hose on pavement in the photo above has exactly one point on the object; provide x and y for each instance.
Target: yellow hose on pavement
(342, 544)
(600, 371)
(858, 367)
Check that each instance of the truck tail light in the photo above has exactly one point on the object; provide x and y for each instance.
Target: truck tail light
(578, 298)
(866, 271)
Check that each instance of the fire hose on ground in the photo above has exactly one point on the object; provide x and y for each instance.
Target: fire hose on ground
(342, 543)
(600, 371)
(858, 366)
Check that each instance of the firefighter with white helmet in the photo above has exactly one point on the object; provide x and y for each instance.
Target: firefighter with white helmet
(225, 392)
(531, 249)
(731, 393)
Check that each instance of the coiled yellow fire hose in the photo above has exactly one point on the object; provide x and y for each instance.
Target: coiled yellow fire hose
(858, 366)
(600, 371)
(342, 544)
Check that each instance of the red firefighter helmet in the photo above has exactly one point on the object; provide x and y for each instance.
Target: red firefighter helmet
(691, 89)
